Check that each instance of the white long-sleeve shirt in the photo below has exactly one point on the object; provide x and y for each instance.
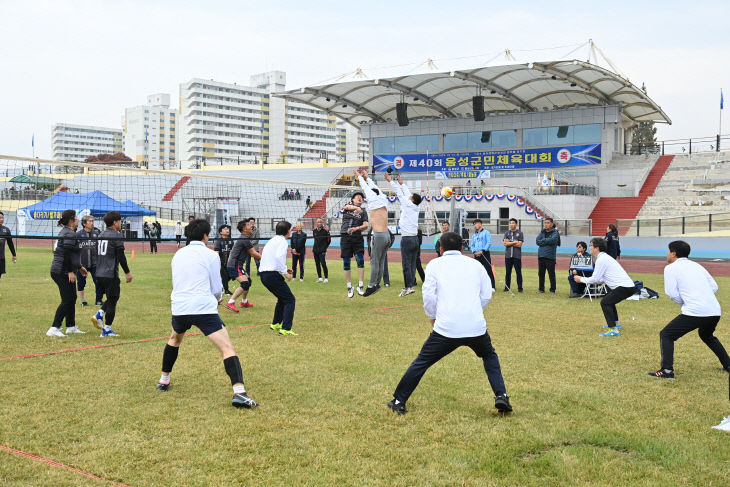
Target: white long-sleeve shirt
(690, 285)
(408, 210)
(608, 271)
(273, 256)
(374, 201)
(455, 293)
(196, 280)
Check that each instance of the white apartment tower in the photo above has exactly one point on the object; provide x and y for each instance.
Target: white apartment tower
(150, 133)
(75, 143)
(224, 123)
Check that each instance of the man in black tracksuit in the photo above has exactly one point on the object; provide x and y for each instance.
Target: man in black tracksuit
(110, 256)
(322, 241)
(298, 249)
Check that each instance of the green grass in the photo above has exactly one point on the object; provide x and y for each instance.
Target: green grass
(585, 411)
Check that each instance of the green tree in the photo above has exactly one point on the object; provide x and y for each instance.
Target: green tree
(643, 138)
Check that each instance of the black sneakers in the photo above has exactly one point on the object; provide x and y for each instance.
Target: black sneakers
(163, 387)
(243, 400)
(502, 404)
(661, 374)
(371, 290)
(399, 409)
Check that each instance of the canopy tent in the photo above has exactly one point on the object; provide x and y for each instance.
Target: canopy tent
(38, 181)
(94, 203)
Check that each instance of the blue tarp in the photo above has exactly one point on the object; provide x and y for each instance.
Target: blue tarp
(96, 202)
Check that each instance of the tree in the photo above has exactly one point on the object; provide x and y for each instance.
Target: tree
(643, 138)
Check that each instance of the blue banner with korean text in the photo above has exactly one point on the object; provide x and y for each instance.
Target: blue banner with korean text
(470, 164)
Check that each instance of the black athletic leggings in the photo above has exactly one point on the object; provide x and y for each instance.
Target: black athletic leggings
(110, 287)
(67, 308)
(320, 261)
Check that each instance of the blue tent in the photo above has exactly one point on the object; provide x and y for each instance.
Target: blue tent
(94, 203)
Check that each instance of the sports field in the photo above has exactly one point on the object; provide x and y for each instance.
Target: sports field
(585, 412)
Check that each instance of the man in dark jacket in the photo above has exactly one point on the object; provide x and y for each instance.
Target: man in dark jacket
(298, 249)
(547, 242)
(88, 241)
(187, 237)
(322, 241)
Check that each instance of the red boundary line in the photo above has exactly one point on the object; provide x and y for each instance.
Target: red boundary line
(106, 345)
(58, 464)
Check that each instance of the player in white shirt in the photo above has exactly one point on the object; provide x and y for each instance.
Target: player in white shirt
(455, 293)
(689, 285)
(272, 271)
(610, 272)
(409, 246)
(197, 290)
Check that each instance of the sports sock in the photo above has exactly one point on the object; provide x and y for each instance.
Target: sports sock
(233, 369)
(107, 328)
(618, 323)
(168, 358)
(164, 379)
(245, 300)
(349, 284)
(231, 301)
(239, 389)
(666, 371)
(359, 284)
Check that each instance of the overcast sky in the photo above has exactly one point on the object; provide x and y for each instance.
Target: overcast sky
(85, 61)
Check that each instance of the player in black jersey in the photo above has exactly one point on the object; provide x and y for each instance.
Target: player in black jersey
(223, 246)
(110, 256)
(5, 237)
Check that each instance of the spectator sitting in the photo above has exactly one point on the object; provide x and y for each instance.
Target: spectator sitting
(579, 263)
(285, 196)
(297, 195)
(291, 194)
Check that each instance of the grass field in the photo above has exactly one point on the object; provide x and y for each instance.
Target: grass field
(586, 413)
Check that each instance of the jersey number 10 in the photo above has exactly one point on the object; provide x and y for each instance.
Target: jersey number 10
(102, 247)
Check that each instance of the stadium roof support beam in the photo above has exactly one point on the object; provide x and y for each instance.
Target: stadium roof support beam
(489, 85)
(338, 99)
(549, 69)
(417, 94)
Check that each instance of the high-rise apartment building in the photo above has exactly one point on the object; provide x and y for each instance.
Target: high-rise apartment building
(150, 133)
(224, 123)
(71, 142)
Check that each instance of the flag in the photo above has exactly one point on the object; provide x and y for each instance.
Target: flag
(262, 126)
(32, 141)
(722, 100)
(544, 183)
(552, 178)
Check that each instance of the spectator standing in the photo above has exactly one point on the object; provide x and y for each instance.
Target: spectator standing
(146, 230)
(187, 231)
(689, 285)
(481, 241)
(513, 240)
(154, 236)
(455, 294)
(178, 233)
(547, 243)
(322, 240)
(309, 203)
(298, 250)
(158, 225)
(613, 248)
(436, 243)
(5, 237)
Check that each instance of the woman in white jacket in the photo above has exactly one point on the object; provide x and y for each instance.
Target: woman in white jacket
(178, 232)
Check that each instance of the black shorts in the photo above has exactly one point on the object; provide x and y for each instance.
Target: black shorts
(351, 245)
(206, 323)
(235, 272)
(109, 286)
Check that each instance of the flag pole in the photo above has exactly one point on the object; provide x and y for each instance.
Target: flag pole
(719, 131)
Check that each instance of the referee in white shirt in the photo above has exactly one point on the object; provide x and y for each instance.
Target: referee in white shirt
(610, 272)
(409, 246)
(272, 271)
(197, 290)
(690, 285)
(455, 293)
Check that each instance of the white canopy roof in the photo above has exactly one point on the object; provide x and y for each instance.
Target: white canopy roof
(517, 87)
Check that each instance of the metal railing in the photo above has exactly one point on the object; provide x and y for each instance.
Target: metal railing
(673, 226)
(713, 143)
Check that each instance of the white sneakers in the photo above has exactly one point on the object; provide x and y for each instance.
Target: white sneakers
(350, 292)
(724, 425)
(55, 332)
(319, 280)
(406, 291)
(360, 290)
(301, 280)
(74, 329)
(325, 280)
